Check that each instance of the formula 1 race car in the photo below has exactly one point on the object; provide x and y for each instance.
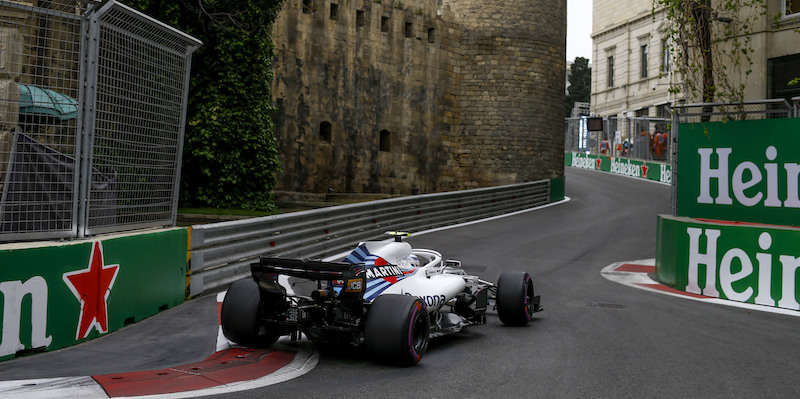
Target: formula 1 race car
(384, 295)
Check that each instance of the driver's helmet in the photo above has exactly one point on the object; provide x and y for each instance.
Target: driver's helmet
(408, 262)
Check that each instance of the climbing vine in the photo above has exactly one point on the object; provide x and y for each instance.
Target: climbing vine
(230, 158)
(712, 43)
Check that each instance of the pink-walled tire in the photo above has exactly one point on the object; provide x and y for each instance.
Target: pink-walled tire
(396, 330)
(240, 316)
(515, 295)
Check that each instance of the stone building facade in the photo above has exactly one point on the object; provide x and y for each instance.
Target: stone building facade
(633, 69)
(375, 96)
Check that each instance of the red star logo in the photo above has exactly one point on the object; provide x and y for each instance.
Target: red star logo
(599, 161)
(92, 286)
(644, 171)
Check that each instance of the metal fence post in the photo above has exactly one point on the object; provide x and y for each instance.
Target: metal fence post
(86, 121)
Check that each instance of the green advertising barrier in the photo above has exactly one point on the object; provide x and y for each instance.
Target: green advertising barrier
(59, 294)
(557, 188)
(621, 166)
(740, 171)
(740, 262)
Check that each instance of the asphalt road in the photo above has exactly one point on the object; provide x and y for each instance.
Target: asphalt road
(595, 338)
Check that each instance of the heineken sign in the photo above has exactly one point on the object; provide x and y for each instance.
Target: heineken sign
(740, 171)
(57, 295)
(744, 263)
(620, 166)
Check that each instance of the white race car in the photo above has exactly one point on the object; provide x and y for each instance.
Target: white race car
(384, 295)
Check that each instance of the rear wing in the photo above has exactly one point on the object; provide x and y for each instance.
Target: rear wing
(309, 269)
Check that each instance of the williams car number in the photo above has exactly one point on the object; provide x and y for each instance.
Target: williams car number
(432, 301)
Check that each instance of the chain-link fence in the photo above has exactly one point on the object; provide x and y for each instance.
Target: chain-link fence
(93, 99)
(642, 138)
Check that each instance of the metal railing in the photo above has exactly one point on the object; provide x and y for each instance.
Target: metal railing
(748, 110)
(221, 252)
(92, 98)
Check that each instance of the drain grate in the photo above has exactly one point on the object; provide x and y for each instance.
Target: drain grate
(604, 305)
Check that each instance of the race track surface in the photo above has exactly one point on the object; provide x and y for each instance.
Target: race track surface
(596, 338)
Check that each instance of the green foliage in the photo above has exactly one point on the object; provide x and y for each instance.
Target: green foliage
(712, 44)
(580, 83)
(230, 157)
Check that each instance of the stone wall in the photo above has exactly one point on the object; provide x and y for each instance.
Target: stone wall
(470, 93)
(347, 78)
(511, 92)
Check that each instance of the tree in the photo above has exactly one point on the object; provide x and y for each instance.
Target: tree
(580, 83)
(229, 157)
(712, 43)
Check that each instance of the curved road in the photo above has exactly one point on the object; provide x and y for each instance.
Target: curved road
(596, 338)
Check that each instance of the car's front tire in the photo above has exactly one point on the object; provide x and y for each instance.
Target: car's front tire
(515, 304)
(241, 316)
(396, 330)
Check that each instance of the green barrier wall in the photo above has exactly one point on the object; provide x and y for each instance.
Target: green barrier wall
(557, 187)
(621, 166)
(740, 171)
(740, 262)
(56, 295)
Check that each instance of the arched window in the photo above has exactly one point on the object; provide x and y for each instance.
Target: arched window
(325, 131)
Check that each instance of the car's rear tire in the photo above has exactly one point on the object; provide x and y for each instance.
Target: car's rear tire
(396, 330)
(241, 316)
(515, 305)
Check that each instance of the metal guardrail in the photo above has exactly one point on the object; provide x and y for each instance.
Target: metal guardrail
(222, 252)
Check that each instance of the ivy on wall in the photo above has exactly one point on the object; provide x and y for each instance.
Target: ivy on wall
(229, 158)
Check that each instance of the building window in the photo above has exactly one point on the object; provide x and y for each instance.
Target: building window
(334, 11)
(384, 24)
(662, 111)
(385, 141)
(611, 71)
(359, 18)
(791, 7)
(325, 132)
(409, 29)
(644, 112)
(431, 35)
(782, 71)
(306, 6)
(644, 52)
(666, 58)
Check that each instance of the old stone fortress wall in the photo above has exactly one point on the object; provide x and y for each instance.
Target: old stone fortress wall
(415, 96)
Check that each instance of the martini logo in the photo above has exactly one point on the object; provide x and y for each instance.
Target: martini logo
(92, 286)
(384, 272)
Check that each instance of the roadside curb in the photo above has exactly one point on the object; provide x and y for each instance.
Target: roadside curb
(637, 274)
(227, 370)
